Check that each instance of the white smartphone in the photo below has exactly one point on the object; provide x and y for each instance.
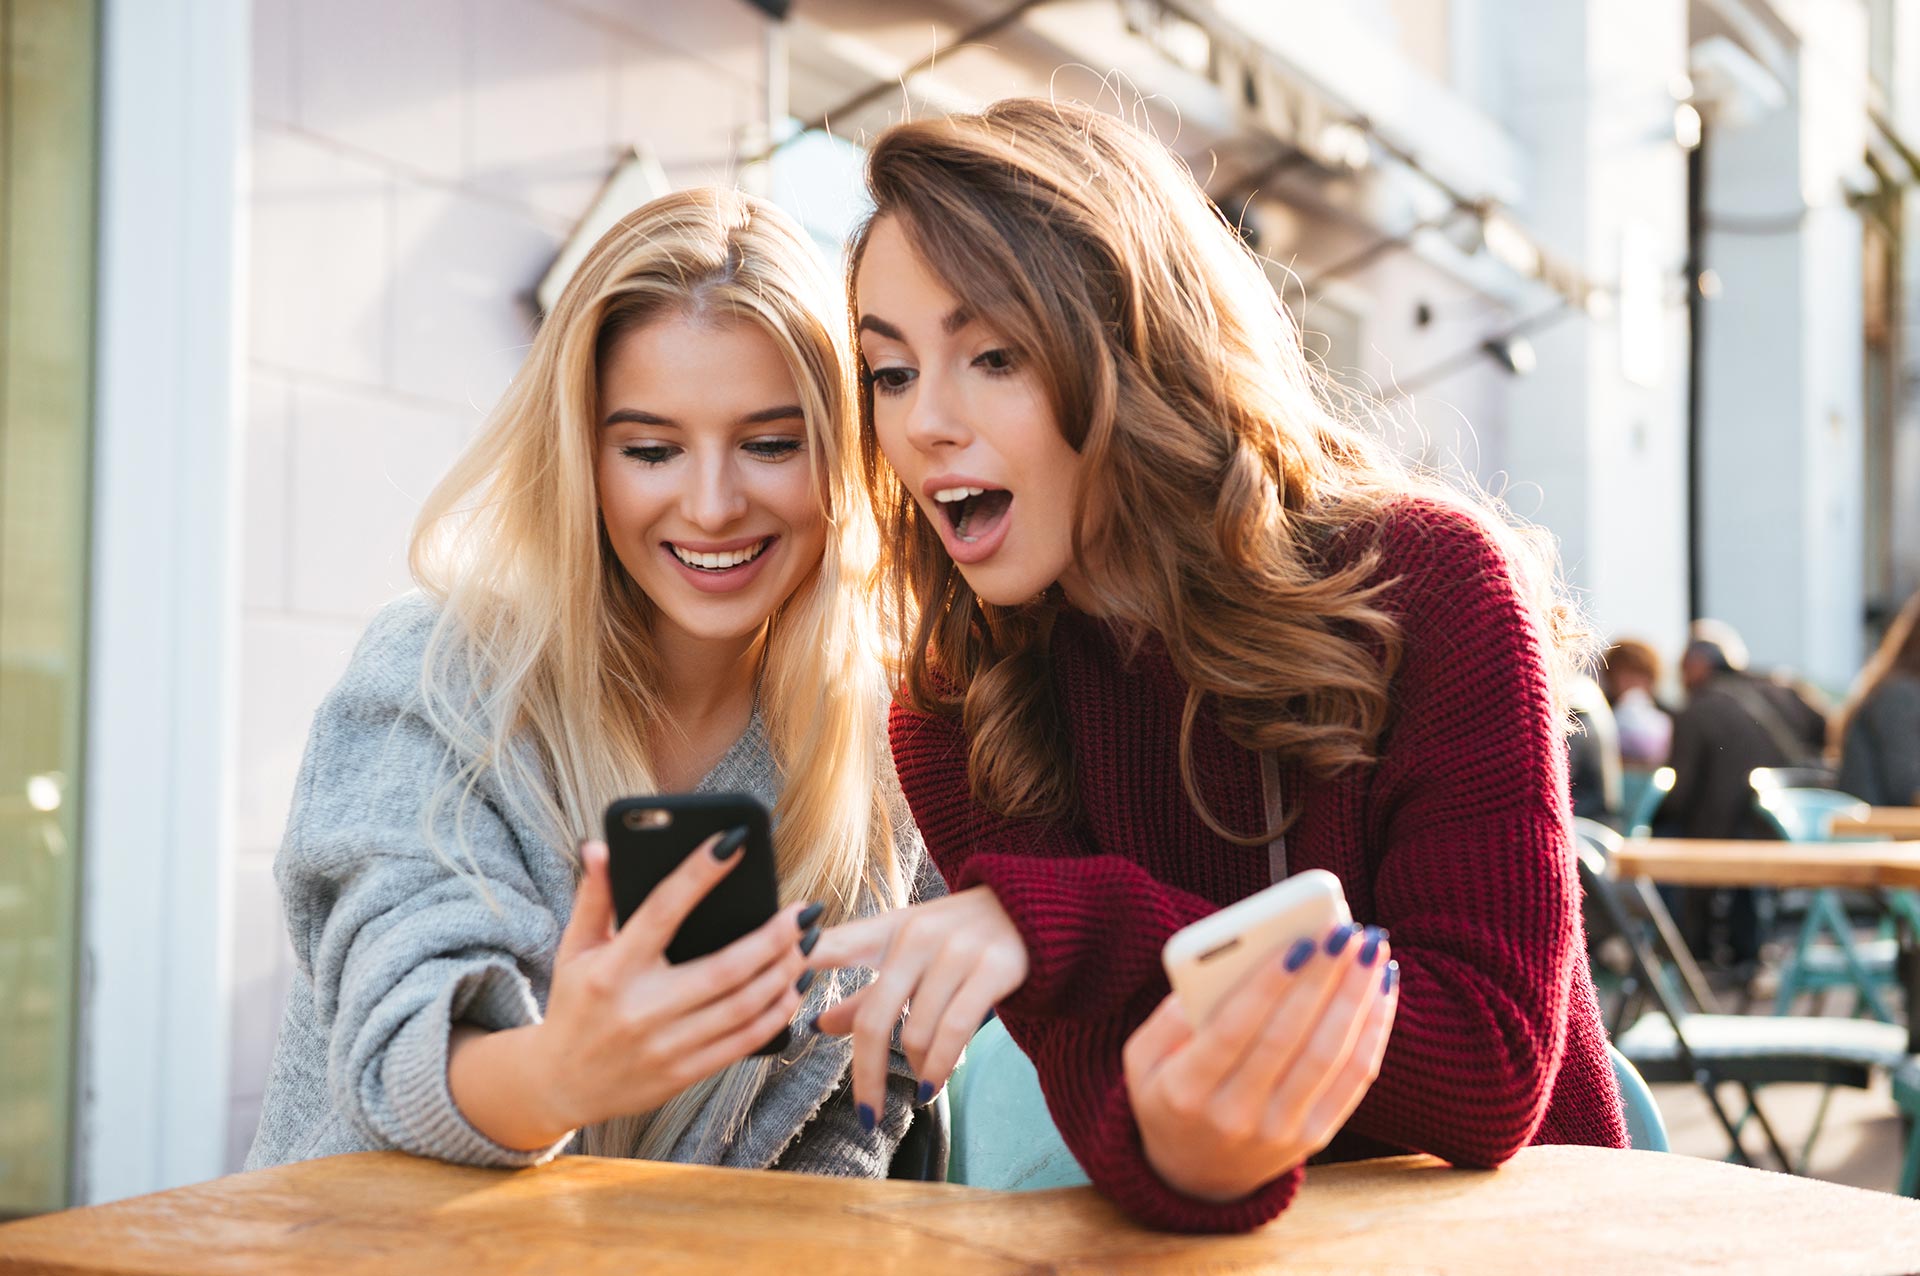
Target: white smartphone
(1206, 960)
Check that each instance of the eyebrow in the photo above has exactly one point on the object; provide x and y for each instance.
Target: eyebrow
(634, 416)
(957, 318)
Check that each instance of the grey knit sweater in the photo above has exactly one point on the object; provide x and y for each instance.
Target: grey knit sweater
(393, 947)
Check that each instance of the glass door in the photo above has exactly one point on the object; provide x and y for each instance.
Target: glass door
(47, 161)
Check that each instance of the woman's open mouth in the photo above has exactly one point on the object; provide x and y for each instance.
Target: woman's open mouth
(973, 512)
(976, 520)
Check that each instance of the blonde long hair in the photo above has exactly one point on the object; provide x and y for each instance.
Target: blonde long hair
(541, 668)
(1174, 370)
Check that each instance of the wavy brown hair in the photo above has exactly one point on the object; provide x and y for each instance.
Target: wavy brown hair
(1175, 371)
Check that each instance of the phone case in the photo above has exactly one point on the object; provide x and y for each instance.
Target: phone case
(649, 837)
(1205, 961)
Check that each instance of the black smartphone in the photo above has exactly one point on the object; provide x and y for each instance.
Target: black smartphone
(649, 837)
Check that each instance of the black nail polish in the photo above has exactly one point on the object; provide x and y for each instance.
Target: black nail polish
(1390, 976)
(1370, 951)
(924, 1095)
(809, 915)
(805, 982)
(867, 1119)
(1298, 954)
(1337, 941)
(729, 846)
(808, 940)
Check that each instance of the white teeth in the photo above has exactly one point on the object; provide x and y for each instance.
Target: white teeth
(948, 495)
(718, 562)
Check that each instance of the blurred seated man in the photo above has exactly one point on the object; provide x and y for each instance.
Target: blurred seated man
(1733, 722)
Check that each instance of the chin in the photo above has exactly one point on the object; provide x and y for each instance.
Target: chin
(1004, 589)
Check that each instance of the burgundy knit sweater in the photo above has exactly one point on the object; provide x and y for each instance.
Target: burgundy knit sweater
(1457, 839)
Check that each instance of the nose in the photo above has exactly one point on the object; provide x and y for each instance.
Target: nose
(715, 498)
(935, 419)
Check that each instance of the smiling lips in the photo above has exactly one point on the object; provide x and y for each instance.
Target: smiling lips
(719, 561)
(722, 568)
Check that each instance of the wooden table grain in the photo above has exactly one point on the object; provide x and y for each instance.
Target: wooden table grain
(1879, 821)
(1704, 862)
(1550, 1208)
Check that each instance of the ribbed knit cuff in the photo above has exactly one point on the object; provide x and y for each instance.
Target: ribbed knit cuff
(1120, 1169)
(490, 995)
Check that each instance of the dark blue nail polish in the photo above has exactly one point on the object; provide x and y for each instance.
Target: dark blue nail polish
(813, 1026)
(1337, 941)
(804, 982)
(924, 1095)
(1370, 950)
(729, 846)
(809, 915)
(1298, 954)
(1390, 976)
(867, 1119)
(808, 940)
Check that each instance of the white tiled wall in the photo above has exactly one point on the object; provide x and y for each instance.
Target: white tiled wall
(414, 169)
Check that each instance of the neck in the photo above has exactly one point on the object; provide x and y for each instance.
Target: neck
(703, 679)
(1080, 595)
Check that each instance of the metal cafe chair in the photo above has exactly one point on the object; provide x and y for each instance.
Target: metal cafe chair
(1672, 1043)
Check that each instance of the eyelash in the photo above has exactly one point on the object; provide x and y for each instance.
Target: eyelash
(873, 377)
(651, 454)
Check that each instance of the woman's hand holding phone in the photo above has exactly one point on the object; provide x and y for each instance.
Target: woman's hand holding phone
(1271, 1076)
(952, 958)
(625, 1030)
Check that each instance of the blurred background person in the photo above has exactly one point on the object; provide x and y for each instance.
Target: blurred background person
(1630, 674)
(1877, 732)
(1734, 722)
(1593, 754)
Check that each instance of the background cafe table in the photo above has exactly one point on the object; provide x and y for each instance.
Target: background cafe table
(1879, 821)
(1683, 861)
(1550, 1208)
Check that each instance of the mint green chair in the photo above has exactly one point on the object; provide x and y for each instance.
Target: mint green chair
(1906, 1094)
(1641, 796)
(1825, 953)
(1003, 1136)
(1646, 1128)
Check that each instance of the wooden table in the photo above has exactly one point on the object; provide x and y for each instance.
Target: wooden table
(1705, 862)
(1550, 1208)
(1879, 821)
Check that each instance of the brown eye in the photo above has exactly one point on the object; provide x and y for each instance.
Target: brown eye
(891, 380)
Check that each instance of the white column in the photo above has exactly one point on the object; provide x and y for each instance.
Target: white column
(1596, 442)
(156, 840)
(1781, 395)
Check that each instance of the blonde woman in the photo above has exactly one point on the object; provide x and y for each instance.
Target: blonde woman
(646, 575)
(1179, 630)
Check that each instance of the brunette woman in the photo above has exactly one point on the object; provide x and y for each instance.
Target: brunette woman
(1177, 630)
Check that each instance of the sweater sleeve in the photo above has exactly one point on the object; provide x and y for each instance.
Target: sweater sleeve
(1084, 994)
(398, 942)
(1474, 874)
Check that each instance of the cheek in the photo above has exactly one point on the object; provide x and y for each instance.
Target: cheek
(788, 493)
(889, 431)
(629, 501)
